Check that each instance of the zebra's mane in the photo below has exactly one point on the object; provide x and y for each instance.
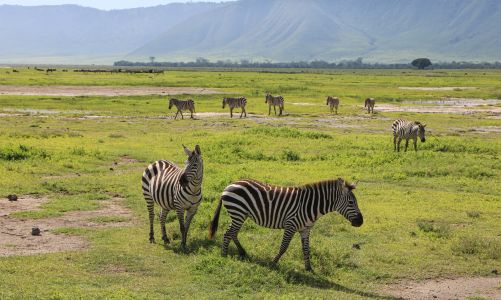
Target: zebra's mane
(350, 186)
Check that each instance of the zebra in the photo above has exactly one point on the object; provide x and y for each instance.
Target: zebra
(405, 130)
(290, 208)
(236, 103)
(275, 101)
(176, 189)
(182, 105)
(370, 103)
(333, 102)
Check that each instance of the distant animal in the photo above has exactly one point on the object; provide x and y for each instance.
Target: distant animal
(405, 130)
(15, 71)
(370, 103)
(333, 102)
(236, 103)
(50, 70)
(173, 188)
(294, 209)
(275, 101)
(182, 105)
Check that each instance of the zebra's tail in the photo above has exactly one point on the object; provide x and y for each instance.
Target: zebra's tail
(215, 220)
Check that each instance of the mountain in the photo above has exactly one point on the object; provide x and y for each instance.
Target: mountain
(378, 30)
(64, 32)
(277, 30)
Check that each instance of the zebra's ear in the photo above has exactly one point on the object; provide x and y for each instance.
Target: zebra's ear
(186, 150)
(424, 125)
(350, 186)
(197, 150)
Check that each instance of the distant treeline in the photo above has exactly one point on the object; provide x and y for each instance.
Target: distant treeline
(317, 64)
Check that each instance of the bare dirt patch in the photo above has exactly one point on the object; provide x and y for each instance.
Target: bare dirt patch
(15, 233)
(443, 88)
(111, 91)
(303, 104)
(464, 110)
(468, 102)
(459, 288)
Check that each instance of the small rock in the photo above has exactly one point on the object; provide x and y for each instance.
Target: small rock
(356, 246)
(495, 271)
(435, 296)
(111, 169)
(12, 197)
(35, 231)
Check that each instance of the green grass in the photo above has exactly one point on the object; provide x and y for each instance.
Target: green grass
(434, 213)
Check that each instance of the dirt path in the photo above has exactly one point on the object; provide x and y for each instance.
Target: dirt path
(15, 233)
(448, 109)
(110, 91)
(443, 88)
(460, 288)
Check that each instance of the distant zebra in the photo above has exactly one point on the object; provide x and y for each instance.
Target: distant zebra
(275, 101)
(405, 130)
(236, 103)
(290, 208)
(176, 189)
(333, 102)
(370, 103)
(182, 105)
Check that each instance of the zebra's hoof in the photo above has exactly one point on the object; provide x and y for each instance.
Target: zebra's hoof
(166, 240)
(309, 269)
(152, 241)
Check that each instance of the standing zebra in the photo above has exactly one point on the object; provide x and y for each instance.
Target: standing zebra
(236, 103)
(275, 101)
(405, 130)
(182, 105)
(333, 102)
(370, 103)
(290, 208)
(176, 189)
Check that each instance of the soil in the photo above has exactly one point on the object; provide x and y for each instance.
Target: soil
(15, 233)
(459, 288)
(444, 88)
(111, 91)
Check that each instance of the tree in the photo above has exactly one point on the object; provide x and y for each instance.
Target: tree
(152, 59)
(421, 63)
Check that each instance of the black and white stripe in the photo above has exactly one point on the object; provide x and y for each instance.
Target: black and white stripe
(294, 209)
(370, 103)
(274, 101)
(173, 188)
(182, 105)
(235, 103)
(333, 102)
(405, 130)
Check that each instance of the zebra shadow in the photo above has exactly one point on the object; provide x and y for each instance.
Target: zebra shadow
(313, 280)
(193, 246)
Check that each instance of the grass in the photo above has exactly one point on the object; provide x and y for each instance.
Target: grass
(434, 213)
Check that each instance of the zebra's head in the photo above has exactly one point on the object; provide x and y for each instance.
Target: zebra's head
(268, 95)
(224, 102)
(421, 131)
(193, 172)
(171, 102)
(347, 203)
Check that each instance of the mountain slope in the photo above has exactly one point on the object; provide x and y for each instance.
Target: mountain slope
(336, 29)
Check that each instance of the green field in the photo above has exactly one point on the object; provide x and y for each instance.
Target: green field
(430, 214)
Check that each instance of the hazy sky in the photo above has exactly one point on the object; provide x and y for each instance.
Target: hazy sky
(101, 4)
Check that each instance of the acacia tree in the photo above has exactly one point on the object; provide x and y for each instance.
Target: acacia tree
(421, 63)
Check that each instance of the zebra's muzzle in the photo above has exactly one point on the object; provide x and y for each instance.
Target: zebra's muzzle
(357, 221)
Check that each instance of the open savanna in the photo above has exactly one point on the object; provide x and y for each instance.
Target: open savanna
(430, 214)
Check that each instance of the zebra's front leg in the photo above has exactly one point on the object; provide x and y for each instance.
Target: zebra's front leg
(269, 109)
(394, 143)
(415, 144)
(406, 144)
(275, 109)
(163, 217)
(180, 217)
(242, 113)
(231, 112)
(191, 111)
(398, 144)
(288, 235)
(182, 117)
(175, 117)
(305, 242)
(189, 216)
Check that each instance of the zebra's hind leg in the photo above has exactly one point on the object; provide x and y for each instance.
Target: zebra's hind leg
(163, 217)
(231, 234)
(231, 112)
(242, 113)
(406, 144)
(394, 143)
(151, 215)
(288, 235)
(398, 144)
(305, 242)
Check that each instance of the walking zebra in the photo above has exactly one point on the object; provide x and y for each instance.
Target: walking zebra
(275, 101)
(290, 208)
(370, 103)
(333, 102)
(176, 189)
(236, 103)
(182, 105)
(405, 130)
